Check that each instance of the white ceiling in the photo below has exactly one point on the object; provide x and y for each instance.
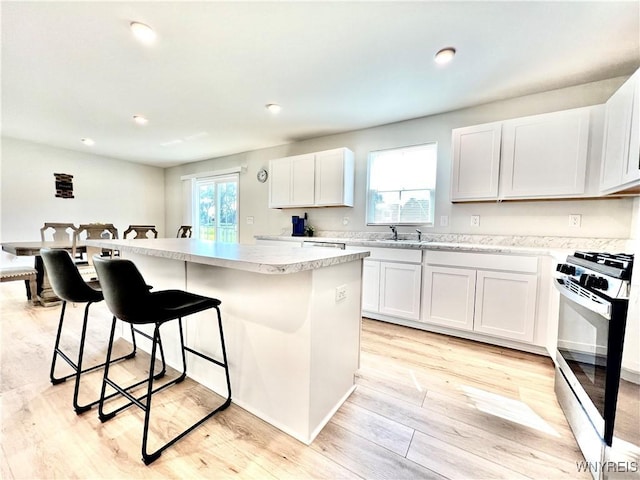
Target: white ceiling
(72, 69)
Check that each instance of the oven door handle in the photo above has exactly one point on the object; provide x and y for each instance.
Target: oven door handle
(586, 298)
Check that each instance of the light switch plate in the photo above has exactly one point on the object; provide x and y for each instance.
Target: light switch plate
(444, 220)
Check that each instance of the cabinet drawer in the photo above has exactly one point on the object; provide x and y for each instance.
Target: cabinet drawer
(395, 254)
(485, 261)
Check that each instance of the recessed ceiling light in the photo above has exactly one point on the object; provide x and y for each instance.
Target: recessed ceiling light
(445, 55)
(143, 32)
(88, 142)
(273, 108)
(140, 120)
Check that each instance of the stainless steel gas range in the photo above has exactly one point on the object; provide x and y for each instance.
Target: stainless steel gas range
(602, 407)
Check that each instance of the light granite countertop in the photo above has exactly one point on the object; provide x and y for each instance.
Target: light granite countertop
(513, 244)
(251, 258)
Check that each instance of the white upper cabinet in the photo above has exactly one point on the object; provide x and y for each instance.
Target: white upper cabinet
(334, 177)
(476, 162)
(545, 155)
(540, 156)
(291, 181)
(312, 180)
(620, 169)
(302, 180)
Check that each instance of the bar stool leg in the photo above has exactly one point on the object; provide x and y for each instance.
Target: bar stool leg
(77, 366)
(148, 458)
(124, 391)
(56, 349)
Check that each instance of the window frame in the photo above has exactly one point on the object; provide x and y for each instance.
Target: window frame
(432, 192)
(215, 180)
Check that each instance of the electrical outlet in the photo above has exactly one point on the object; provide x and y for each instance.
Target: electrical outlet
(575, 220)
(444, 220)
(249, 220)
(345, 220)
(475, 220)
(341, 293)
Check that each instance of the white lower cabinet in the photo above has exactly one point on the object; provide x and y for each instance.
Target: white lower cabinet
(370, 285)
(505, 305)
(449, 295)
(391, 282)
(400, 290)
(496, 303)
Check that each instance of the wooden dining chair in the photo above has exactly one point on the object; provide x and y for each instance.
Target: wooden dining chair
(96, 231)
(184, 232)
(61, 232)
(141, 231)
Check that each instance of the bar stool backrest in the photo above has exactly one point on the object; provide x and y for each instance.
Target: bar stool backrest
(123, 287)
(66, 281)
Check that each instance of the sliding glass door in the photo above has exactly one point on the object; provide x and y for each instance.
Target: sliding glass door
(216, 208)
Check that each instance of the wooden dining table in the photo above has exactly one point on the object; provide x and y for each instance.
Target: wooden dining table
(46, 297)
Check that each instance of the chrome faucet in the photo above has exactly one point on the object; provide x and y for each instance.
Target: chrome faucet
(394, 229)
(419, 235)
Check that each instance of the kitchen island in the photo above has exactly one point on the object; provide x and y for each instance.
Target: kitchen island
(291, 322)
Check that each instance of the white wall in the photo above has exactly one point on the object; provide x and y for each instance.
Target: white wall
(106, 191)
(609, 218)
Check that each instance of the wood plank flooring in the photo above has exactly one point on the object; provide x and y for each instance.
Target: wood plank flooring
(426, 406)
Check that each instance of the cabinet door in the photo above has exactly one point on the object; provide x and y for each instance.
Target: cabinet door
(545, 155)
(279, 183)
(400, 290)
(448, 297)
(330, 178)
(505, 305)
(476, 162)
(631, 170)
(370, 285)
(302, 180)
(617, 135)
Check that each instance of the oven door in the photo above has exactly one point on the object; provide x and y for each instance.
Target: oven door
(590, 331)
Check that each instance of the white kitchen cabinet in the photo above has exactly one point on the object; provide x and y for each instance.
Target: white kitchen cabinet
(505, 305)
(449, 296)
(476, 162)
(334, 177)
(317, 179)
(292, 181)
(490, 294)
(545, 155)
(620, 168)
(370, 285)
(534, 157)
(400, 290)
(391, 283)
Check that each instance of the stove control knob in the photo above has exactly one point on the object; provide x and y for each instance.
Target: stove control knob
(564, 268)
(585, 279)
(592, 281)
(600, 283)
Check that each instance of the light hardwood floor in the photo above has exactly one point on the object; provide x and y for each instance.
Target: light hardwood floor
(426, 406)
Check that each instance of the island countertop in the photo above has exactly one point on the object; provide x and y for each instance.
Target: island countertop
(251, 258)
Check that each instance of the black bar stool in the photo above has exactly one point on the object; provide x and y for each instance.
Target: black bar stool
(130, 300)
(67, 283)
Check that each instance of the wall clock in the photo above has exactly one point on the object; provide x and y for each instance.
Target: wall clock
(262, 175)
